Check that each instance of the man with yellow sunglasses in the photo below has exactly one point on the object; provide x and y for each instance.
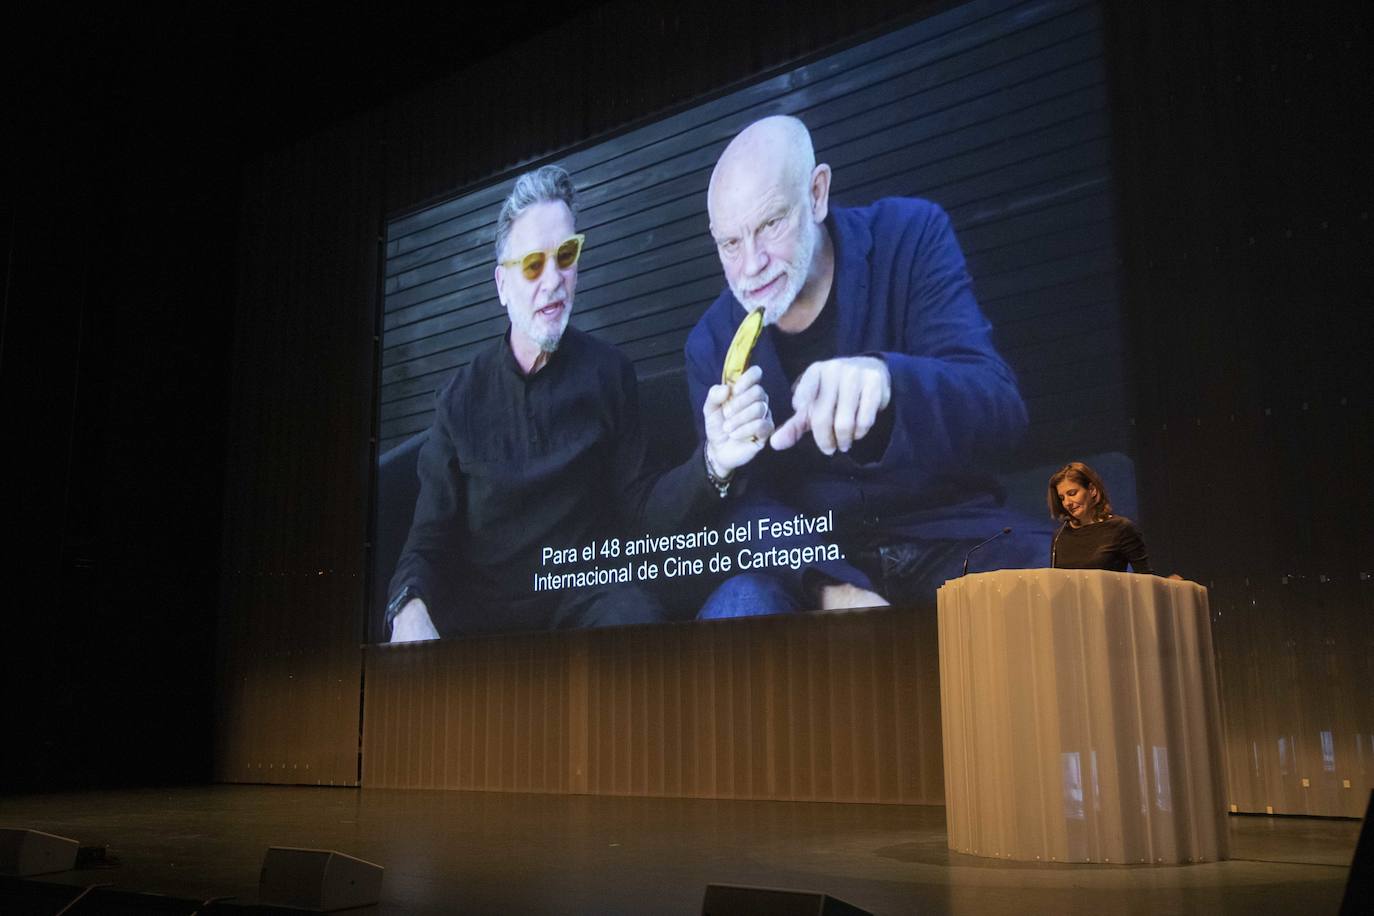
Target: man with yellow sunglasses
(533, 472)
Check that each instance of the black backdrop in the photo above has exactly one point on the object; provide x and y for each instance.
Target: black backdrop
(1240, 143)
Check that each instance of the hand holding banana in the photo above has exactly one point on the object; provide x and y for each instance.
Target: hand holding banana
(738, 422)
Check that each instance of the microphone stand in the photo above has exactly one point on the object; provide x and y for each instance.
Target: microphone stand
(1054, 545)
(980, 547)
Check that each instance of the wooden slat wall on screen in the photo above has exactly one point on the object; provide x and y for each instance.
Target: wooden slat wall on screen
(824, 707)
(994, 109)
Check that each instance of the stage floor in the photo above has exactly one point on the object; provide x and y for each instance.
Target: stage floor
(474, 852)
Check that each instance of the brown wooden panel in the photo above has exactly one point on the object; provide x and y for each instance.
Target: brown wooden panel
(488, 714)
(819, 707)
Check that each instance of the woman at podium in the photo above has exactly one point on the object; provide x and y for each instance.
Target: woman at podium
(1090, 536)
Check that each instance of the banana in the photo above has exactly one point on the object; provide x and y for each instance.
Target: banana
(737, 357)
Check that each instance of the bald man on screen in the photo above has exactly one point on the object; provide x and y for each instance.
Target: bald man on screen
(890, 396)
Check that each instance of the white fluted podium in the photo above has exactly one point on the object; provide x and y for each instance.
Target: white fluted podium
(1081, 719)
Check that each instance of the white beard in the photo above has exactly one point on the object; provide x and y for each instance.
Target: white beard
(546, 340)
(775, 306)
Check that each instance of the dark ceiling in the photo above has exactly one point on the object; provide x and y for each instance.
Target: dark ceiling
(245, 76)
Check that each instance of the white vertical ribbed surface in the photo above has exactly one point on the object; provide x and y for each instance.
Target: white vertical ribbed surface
(1081, 718)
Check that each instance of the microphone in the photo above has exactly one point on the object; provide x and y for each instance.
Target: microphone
(1054, 544)
(980, 547)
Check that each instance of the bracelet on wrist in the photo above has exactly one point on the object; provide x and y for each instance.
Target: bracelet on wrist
(722, 484)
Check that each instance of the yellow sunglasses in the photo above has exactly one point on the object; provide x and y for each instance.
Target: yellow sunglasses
(564, 256)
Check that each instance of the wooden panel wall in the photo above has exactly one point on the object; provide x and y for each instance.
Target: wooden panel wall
(488, 714)
(819, 707)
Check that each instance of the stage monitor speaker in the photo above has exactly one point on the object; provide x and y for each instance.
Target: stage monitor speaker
(33, 852)
(318, 879)
(738, 900)
(1359, 886)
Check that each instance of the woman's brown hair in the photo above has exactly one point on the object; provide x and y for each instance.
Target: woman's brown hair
(1084, 476)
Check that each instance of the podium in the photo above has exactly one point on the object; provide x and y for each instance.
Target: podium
(1081, 719)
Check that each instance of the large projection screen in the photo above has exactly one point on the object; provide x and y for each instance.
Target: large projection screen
(997, 113)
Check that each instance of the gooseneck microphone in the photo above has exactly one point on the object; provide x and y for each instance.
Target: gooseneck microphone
(980, 547)
(1054, 544)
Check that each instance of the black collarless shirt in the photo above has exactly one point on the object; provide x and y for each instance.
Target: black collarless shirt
(1111, 544)
(514, 464)
(816, 342)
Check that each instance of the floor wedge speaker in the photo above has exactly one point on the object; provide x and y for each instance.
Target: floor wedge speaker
(33, 852)
(739, 900)
(318, 879)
